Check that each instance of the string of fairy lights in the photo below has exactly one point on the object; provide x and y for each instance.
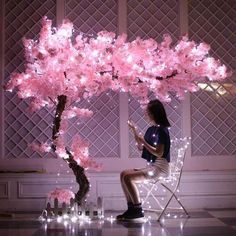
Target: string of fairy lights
(76, 215)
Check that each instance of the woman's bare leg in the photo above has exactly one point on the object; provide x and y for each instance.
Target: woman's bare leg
(122, 175)
(130, 179)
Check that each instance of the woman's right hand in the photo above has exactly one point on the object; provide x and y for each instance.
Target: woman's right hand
(137, 136)
(132, 126)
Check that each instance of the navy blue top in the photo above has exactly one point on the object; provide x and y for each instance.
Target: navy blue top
(157, 135)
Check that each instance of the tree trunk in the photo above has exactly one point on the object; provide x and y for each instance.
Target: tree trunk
(78, 171)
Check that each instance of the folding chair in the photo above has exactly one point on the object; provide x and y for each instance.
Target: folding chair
(170, 183)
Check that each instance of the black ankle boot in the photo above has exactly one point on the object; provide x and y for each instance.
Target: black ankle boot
(130, 206)
(135, 214)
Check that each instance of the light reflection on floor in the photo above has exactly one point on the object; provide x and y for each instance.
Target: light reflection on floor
(201, 223)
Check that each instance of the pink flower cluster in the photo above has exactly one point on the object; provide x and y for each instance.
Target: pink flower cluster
(42, 147)
(75, 111)
(85, 67)
(80, 150)
(63, 195)
(81, 67)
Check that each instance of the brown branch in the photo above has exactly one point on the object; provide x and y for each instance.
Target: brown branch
(168, 76)
(114, 76)
(57, 119)
(78, 171)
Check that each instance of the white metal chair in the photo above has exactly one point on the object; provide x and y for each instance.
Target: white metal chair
(170, 183)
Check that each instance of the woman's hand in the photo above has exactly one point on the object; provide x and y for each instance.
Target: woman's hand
(137, 136)
(132, 126)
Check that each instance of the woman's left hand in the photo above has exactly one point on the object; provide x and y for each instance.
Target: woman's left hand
(139, 138)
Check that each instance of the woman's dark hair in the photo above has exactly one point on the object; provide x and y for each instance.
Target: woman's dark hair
(157, 110)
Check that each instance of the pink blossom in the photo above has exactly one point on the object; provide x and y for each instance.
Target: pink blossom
(43, 147)
(63, 195)
(87, 66)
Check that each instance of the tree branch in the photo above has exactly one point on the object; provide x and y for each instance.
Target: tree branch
(78, 170)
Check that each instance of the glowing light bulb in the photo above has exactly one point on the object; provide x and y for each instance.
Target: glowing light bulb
(129, 59)
(74, 219)
(95, 53)
(65, 223)
(83, 80)
(150, 173)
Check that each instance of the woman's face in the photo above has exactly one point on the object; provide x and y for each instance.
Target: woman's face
(149, 116)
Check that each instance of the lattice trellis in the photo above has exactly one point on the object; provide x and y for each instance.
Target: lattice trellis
(92, 16)
(102, 130)
(22, 19)
(214, 22)
(214, 107)
(152, 19)
(137, 114)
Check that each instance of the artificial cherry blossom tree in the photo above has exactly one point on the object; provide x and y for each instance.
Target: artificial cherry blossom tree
(63, 68)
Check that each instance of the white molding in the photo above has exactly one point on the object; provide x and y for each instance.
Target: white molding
(214, 156)
(2, 62)
(122, 16)
(198, 189)
(186, 103)
(5, 194)
(183, 16)
(60, 11)
(123, 97)
(24, 189)
(123, 126)
(43, 187)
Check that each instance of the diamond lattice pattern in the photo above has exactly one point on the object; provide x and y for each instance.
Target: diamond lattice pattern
(102, 130)
(92, 16)
(152, 19)
(213, 108)
(22, 19)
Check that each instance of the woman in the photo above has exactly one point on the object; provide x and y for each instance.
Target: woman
(155, 147)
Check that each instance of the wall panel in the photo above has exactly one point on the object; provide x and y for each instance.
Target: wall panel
(213, 108)
(23, 19)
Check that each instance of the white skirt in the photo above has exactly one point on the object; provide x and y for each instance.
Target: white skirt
(159, 168)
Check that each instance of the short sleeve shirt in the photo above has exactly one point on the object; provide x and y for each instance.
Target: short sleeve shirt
(157, 135)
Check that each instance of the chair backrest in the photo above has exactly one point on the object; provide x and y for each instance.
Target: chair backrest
(177, 155)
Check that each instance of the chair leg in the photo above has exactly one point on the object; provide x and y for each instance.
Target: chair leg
(172, 195)
(149, 192)
(159, 217)
(157, 201)
(181, 204)
(163, 208)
